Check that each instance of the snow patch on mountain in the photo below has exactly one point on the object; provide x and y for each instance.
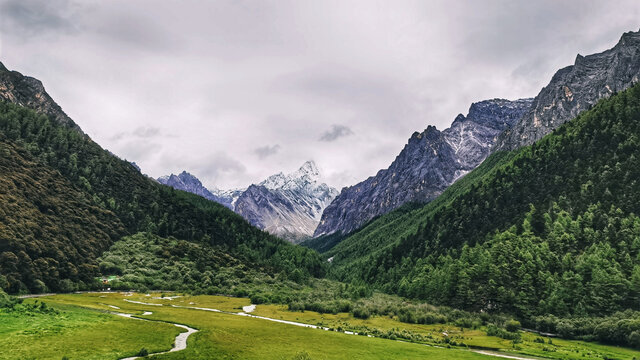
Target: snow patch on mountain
(286, 205)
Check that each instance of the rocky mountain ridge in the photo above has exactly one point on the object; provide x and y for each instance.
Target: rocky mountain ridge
(575, 89)
(29, 92)
(428, 164)
(187, 182)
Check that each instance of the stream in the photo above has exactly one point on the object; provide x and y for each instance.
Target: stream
(180, 343)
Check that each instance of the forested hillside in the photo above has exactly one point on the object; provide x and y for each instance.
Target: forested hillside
(133, 201)
(49, 230)
(550, 228)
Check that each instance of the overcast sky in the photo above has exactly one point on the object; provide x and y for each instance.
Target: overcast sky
(233, 91)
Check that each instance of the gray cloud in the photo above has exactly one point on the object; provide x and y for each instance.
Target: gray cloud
(336, 132)
(266, 151)
(146, 132)
(195, 85)
(37, 17)
(141, 132)
(218, 165)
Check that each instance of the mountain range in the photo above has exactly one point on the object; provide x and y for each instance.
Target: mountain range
(288, 206)
(64, 200)
(522, 209)
(433, 160)
(428, 164)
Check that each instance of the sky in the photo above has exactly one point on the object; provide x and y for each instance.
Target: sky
(234, 91)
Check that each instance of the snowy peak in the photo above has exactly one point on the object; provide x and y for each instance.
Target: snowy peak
(289, 205)
(308, 169)
(275, 181)
(308, 175)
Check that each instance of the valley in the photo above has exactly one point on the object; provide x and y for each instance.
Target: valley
(223, 333)
(513, 233)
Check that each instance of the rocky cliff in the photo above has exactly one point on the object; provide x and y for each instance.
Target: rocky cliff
(576, 88)
(29, 92)
(428, 164)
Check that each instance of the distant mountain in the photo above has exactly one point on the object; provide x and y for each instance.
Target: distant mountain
(428, 164)
(575, 89)
(288, 206)
(187, 182)
(64, 200)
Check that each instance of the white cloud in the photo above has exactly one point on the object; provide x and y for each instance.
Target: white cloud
(202, 86)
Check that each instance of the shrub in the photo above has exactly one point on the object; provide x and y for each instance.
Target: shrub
(143, 352)
(493, 330)
(513, 325)
(465, 322)
(259, 299)
(634, 339)
(361, 312)
(296, 306)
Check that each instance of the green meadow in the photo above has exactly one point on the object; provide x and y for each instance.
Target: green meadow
(81, 327)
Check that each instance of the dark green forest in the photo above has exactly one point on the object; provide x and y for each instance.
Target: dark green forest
(551, 229)
(48, 228)
(113, 189)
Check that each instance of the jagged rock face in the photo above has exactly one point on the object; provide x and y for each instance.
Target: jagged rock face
(29, 92)
(187, 182)
(288, 206)
(576, 88)
(428, 164)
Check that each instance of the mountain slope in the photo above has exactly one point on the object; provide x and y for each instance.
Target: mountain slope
(550, 228)
(29, 92)
(428, 164)
(138, 202)
(576, 88)
(49, 230)
(288, 206)
(189, 183)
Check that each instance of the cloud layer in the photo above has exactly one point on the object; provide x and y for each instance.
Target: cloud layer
(336, 132)
(233, 91)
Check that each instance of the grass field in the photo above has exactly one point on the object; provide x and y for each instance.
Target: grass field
(79, 334)
(83, 323)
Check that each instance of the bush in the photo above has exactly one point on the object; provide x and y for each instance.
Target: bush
(361, 312)
(513, 325)
(66, 286)
(634, 339)
(296, 306)
(465, 323)
(143, 352)
(259, 299)
(493, 330)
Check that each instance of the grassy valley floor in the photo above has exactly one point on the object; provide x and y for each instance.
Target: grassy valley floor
(82, 328)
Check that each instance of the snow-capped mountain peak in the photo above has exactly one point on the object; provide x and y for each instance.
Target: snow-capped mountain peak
(288, 205)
